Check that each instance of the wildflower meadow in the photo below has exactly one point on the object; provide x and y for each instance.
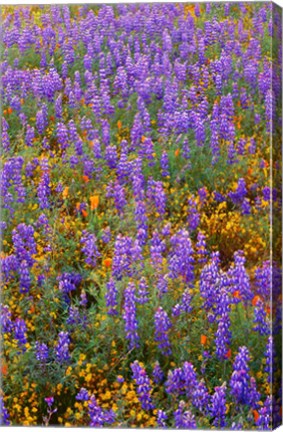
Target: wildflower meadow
(141, 215)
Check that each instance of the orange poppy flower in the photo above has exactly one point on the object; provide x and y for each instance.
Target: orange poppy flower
(65, 192)
(84, 213)
(107, 262)
(119, 124)
(177, 152)
(255, 300)
(4, 369)
(228, 354)
(85, 178)
(203, 339)
(94, 201)
(256, 415)
(32, 309)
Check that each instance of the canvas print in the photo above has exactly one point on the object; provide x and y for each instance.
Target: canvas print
(141, 215)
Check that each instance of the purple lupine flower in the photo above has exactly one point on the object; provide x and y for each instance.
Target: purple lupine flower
(129, 316)
(83, 395)
(147, 149)
(106, 235)
(218, 406)
(83, 297)
(223, 334)
(241, 280)
(88, 163)
(42, 352)
(25, 279)
(269, 109)
(202, 193)
(186, 151)
(20, 330)
(157, 247)
(184, 419)
(11, 175)
(262, 280)
(4, 415)
(40, 122)
(143, 292)
(161, 419)
(5, 141)
(246, 207)
(143, 385)
(252, 146)
(166, 229)
(122, 256)
(175, 382)
(62, 347)
(181, 257)
(162, 285)
(98, 417)
(162, 326)
(159, 197)
(111, 297)
(254, 394)
(138, 181)
(237, 426)
(184, 305)
(269, 355)
(238, 196)
(164, 163)
(201, 248)
(89, 248)
(43, 190)
(186, 301)
(201, 397)
(58, 107)
(214, 141)
(193, 214)
(265, 415)
(123, 167)
(68, 282)
(157, 373)
(260, 319)
(6, 322)
(242, 387)
(241, 146)
(197, 10)
(190, 379)
(62, 135)
(199, 129)
(111, 156)
(240, 376)
(9, 265)
(209, 281)
(29, 135)
(117, 192)
(140, 214)
(74, 316)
